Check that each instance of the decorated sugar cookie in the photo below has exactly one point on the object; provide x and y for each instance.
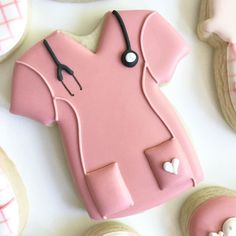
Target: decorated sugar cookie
(78, 1)
(121, 134)
(13, 25)
(209, 212)
(111, 229)
(217, 28)
(13, 200)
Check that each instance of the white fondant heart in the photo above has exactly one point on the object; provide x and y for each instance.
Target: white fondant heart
(217, 234)
(172, 167)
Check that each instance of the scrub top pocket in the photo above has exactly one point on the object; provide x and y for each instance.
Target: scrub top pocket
(169, 164)
(108, 189)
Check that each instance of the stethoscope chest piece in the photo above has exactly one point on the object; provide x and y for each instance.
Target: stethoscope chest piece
(129, 58)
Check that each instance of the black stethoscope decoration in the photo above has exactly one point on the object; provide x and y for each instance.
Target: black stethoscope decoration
(129, 57)
(60, 68)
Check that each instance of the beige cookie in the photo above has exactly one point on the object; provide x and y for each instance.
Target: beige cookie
(111, 229)
(216, 28)
(13, 199)
(74, 1)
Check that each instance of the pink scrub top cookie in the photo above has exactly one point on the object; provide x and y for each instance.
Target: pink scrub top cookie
(127, 149)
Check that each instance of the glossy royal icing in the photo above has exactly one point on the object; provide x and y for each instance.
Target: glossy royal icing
(214, 217)
(172, 166)
(119, 123)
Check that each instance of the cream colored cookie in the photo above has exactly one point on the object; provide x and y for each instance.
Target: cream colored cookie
(89, 41)
(14, 21)
(77, 1)
(13, 199)
(212, 20)
(205, 211)
(111, 229)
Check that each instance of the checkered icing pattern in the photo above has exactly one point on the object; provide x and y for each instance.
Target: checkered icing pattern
(13, 21)
(9, 211)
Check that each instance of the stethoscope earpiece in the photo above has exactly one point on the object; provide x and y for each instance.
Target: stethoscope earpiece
(129, 58)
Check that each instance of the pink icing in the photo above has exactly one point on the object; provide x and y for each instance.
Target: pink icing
(119, 114)
(222, 19)
(210, 216)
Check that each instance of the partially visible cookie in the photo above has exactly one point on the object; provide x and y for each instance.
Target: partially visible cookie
(111, 229)
(14, 16)
(13, 199)
(209, 212)
(217, 27)
(76, 1)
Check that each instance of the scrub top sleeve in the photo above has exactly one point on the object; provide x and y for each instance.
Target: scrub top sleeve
(162, 47)
(31, 96)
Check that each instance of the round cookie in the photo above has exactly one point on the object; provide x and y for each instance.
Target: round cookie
(14, 17)
(209, 212)
(111, 229)
(13, 199)
(76, 1)
(216, 27)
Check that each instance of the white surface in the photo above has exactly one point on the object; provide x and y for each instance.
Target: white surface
(37, 150)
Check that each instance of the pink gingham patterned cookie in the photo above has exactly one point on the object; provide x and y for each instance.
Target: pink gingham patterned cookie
(13, 200)
(9, 211)
(13, 24)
